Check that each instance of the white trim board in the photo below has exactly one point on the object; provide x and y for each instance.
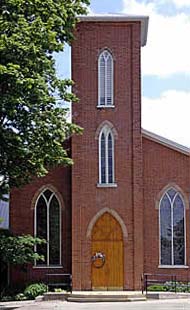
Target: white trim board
(166, 142)
(120, 18)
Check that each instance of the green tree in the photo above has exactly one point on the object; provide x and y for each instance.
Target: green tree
(18, 250)
(33, 121)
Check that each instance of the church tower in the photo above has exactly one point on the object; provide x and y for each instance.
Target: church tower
(107, 190)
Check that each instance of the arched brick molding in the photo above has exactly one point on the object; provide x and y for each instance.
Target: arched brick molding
(105, 49)
(51, 188)
(114, 214)
(110, 125)
(166, 188)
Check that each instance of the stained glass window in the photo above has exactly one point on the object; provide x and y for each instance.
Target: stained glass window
(54, 232)
(172, 229)
(47, 226)
(4, 212)
(103, 159)
(106, 160)
(110, 159)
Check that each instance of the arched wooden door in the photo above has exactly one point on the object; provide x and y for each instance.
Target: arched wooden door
(107, 238)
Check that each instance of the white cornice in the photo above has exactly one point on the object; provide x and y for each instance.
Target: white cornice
(120, 18)
(168, 143)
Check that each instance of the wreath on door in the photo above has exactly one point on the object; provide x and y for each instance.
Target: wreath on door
(98, 259)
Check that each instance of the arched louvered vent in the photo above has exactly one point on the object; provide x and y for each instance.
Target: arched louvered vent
(105, 79)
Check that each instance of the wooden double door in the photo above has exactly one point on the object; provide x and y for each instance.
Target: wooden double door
(107, 239)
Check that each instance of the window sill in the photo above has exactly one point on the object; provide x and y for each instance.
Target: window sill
(103, 185)
(47, 267)
(105, 106)
(173, 266)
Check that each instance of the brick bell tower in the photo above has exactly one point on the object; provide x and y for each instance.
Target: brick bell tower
(107, 185)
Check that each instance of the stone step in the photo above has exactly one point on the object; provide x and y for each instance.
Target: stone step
(55, 296)
(105, 298)
(94, 296)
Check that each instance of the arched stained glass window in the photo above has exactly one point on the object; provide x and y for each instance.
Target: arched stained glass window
(47, 226)
(172, 229)
(4, 212)
(110, 158)
(106, 156)
(105, 79)
(103, 157)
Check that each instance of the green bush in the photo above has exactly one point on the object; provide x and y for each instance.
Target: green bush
(170, 286)
(34, 290)
(20, 297)
(9, 293)
(157, 288)
(7, 298)
(58, 290)
(179, 287)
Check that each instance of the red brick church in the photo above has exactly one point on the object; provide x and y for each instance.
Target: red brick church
(122, 209)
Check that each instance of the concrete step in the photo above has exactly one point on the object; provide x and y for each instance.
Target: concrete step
(104, 299)
(95, 296)
(50, 296)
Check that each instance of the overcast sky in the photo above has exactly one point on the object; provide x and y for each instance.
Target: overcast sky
(165, 63)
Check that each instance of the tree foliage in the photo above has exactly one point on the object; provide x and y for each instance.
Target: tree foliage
(18, 250)
(33, 121)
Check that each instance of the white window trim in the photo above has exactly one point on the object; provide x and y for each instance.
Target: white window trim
(99, 105)
(60, 229)
(47, 267)
(173, 266)
(185, 260)
(106, 130)
(103, 185)
(105, 106)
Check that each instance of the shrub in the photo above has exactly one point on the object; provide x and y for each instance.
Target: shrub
(171, 286)
(9, 293)
(20, 297)
(34, 290)
(58, 290)
(7, 298)
(157, 288)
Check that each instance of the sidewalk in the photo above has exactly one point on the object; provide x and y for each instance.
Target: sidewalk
(177, 304)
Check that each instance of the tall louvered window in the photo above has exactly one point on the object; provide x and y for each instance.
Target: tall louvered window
(106, 156)
(48, 227)
(105, 79)
(172, 229)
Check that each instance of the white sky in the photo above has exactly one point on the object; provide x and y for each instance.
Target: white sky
(167, 54)
(165, 63)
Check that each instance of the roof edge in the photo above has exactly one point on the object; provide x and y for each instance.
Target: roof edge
(166, 142)
(120, 18)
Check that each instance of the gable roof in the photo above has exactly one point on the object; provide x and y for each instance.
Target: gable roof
(166, 142)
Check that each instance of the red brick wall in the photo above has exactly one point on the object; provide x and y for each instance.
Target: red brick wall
(22, 219)
(162, 166)
(140, 176)
(123, 40)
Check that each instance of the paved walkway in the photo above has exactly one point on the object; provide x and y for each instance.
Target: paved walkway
(60, 305)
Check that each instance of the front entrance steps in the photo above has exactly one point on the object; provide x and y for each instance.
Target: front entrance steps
(96, 296)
